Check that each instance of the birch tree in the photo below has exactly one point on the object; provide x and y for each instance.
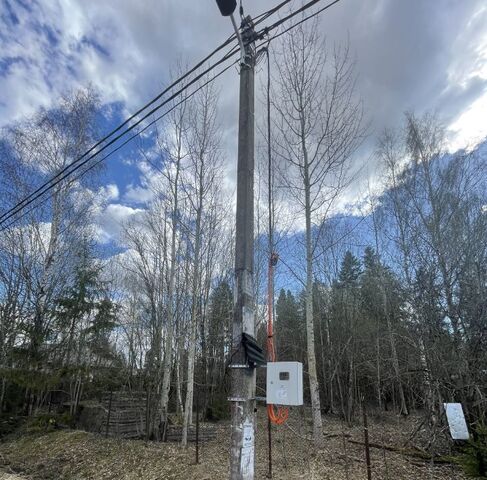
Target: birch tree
(319, 121)
(36, 149)
(435, 200)
(204, 172)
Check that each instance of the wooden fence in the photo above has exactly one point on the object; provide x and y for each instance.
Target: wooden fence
(125, 414)
(175, 432)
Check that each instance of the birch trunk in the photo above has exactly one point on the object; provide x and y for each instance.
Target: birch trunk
(188, 406)
(167, 363)
(310, 334)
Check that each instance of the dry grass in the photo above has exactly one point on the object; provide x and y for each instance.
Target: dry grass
(77, 455)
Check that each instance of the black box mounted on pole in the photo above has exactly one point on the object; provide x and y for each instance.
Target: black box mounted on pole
(253, 353)
(227, 7)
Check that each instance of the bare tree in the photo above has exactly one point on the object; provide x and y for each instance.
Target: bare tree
(48, 236)
(320, 126)
(201, 183)
(435, 200)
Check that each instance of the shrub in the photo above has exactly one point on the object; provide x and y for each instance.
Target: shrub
(47, 422)
(474, 456)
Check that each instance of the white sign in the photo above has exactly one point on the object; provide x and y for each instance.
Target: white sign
(248, 435)
(247, 452)
(282, 395)
(456, 421)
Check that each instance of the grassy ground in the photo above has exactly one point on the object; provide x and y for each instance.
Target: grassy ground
(77, 455)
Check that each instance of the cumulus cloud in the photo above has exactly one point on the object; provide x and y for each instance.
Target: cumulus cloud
(111, 220)
(109, 192)
(406, 51)
(138, 194)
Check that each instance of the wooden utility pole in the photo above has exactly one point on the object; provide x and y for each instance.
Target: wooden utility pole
(242, 396)
(270, 293)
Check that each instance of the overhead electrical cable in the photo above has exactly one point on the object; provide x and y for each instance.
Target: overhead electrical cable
(58, 178)
(126, 122)
(82, 161)
(305, 7)
(265, 15)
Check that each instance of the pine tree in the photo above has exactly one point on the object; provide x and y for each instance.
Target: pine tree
(346, 316)
(218, 346)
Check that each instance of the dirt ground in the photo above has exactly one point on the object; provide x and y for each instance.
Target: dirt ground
(77, 455)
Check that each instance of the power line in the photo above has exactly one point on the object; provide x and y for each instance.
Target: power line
(119, 127)
(75, 165)
(264, 16)
(304, 8)
(58, 178)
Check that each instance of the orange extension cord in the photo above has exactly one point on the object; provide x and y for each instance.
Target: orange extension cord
(277, 415)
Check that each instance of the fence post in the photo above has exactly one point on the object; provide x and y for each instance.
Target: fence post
(366, 441)
(109, 412)
(197, 428)
(269, 441)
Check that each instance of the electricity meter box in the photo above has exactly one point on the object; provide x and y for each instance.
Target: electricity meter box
(284, 383)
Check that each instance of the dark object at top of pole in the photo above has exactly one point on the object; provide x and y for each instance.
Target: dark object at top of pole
(227, 7)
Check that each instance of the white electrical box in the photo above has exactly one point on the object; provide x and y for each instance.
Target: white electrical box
(284, 383)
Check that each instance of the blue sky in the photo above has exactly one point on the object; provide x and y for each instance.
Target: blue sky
(410, 55)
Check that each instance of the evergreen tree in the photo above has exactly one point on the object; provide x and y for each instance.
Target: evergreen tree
(345, 312)
(381, 305)
(289, 328)
(218, 347)
(85, 314)
(350, 270)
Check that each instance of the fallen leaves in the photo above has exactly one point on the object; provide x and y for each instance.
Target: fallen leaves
(77, 455)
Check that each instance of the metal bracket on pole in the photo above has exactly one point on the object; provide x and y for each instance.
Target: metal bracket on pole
(241, 399)
(239, 365)
(240, 41)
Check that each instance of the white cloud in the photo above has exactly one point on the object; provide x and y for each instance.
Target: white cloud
(111, 220)
(110, 192)
(470, 128)
(138, 194)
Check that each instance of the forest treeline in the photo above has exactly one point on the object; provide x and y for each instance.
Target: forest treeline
(388, 306)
